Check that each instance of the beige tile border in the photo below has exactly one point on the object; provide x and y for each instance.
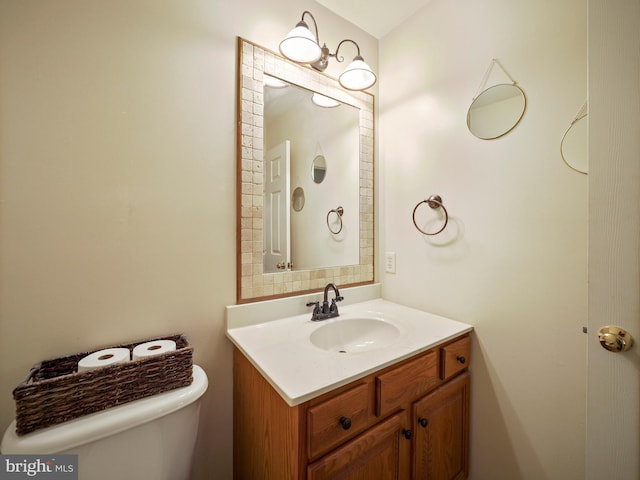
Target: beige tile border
(253, 283)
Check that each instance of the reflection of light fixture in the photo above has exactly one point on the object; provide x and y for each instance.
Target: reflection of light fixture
(274, 82)
(322, 101)
(301, 46)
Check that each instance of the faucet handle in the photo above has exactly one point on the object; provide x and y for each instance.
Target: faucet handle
(317, 313)
(334, 306)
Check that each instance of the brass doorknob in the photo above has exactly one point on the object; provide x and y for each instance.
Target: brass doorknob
(615, 339)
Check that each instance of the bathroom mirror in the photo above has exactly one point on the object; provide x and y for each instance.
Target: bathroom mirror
(318, 169)
(574, 146)
(254, 282)
(496, 111)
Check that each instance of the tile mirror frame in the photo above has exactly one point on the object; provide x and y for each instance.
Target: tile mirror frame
(252, 283)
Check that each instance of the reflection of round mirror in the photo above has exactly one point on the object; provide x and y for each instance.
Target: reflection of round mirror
(574, 145)
(318, 169)
(496, 111)
(297, 199)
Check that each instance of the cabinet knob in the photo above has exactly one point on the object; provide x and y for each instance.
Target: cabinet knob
(407, 433)
(461, 359)
(345, 422)
(423, 422)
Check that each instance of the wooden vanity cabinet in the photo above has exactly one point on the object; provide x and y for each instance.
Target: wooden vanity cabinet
(409, 420)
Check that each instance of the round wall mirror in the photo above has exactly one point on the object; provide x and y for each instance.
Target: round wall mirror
(318, 169)
(496, 111)
(297, 199)
(575, 144)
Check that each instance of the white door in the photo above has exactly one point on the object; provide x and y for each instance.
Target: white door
(613, 383)
(277, 236)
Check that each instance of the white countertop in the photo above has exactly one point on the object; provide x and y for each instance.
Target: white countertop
(299, 371)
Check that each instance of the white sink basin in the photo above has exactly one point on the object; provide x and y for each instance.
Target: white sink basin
(354, 334)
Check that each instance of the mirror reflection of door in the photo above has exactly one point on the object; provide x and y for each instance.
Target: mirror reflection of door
(277, 237)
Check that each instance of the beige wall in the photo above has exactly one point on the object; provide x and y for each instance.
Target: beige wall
(117, 163)
(513, 260)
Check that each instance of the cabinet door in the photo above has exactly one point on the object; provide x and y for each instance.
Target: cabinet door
(441, 426)
(381, 453)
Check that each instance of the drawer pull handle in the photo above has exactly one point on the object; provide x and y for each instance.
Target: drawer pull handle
(423, 422)
(345, 422)
(407, 433)
(461, 359)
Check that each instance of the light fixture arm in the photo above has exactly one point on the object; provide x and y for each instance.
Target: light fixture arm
(302, 23)
(341, 59)
(323, 62)
(325, 50)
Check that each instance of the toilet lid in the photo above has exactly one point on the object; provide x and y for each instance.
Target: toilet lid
(93, 427)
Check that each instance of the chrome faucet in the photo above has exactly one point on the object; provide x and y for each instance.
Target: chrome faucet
(326, 311)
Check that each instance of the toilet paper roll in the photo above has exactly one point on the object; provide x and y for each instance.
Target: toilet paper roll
(104, 358)
(155, 347)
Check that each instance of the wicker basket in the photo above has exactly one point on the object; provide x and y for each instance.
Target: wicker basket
(54, 392)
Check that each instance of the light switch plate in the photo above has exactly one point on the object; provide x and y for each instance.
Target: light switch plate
(390, 262)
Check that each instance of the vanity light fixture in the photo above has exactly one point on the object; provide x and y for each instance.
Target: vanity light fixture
(301, 46)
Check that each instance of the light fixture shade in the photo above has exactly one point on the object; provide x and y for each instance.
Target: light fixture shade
(322, 101)
(357, 76)
(300, 45)
(274, 82)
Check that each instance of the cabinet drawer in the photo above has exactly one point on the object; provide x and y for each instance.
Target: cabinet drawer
(377, 454)
(455, 357)
(406, 382)
(333, 421)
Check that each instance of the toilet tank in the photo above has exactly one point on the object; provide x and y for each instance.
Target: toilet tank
(150, 438)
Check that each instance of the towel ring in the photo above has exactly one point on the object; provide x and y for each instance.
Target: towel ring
(338, 211)
(434, 201)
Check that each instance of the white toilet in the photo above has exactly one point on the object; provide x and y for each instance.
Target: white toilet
(150, 438)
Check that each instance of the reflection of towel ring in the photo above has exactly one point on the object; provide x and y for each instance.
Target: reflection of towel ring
(338, 211)
(434, 201)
